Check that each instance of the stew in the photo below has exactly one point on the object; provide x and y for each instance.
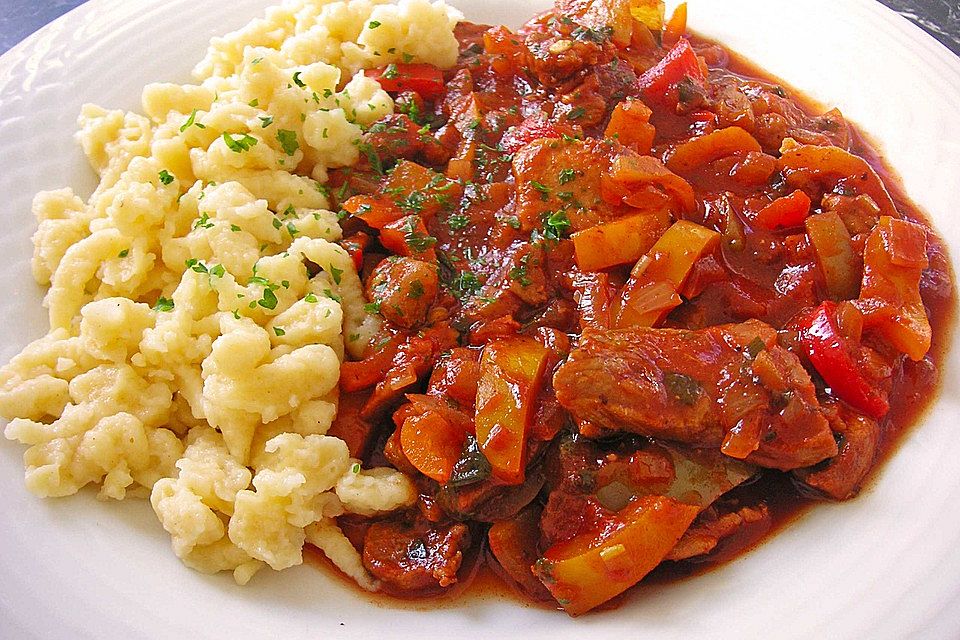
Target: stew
(633, 298)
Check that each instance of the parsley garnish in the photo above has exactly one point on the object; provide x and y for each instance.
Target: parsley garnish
(279, 332)
(372, 307)
(335, 274)
(576, 113)
(458, 221)
(416, 289)
(311, 298)
(163, 304)
(269, 299)
(124, 253)
(567, 175)
(265, 121)
(288, 140)
(296, 79)
(544, 191)
(243, 143)
(165, 176)
(373, 24)
(391, 72)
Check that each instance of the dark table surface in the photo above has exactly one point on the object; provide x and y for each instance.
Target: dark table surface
(20, 18)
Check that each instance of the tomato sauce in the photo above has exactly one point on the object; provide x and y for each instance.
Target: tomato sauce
(474, 254)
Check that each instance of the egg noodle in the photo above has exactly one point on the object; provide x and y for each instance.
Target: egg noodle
(192, 356)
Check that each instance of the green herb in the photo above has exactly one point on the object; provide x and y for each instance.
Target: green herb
(292, 229)
(192, 120)
(124, 253)
(372, 307)
(165, 176)
(407, 58)
(372, 156)
(265, 121)
(544, 191)
(391, 72)
(296, 79)
(599, 36)
(417, 240)
(682, 387)
(269, 299)
(254, 103)
(203, 222)
(288, 140)
(519, 272)
(335, 274)
(416, 290)
(458, 221)
(311, 298)
(218, 271)
(555, 224)
(163, 304)
(511, 221)
(576, 113)
(238, 144)
(332, 296)
(279, 332)
(373, 24)
(234, 227)
(567, 175)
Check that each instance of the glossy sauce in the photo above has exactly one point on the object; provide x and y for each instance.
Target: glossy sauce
(916, 384)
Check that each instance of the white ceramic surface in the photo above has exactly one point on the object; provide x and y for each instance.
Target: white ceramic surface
(886, 565)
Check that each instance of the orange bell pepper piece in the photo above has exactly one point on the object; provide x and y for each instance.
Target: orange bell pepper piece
(713, 146)
(591, 568)
(511, 374)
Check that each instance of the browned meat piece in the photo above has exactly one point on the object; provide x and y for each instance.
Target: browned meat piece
(564, 175)
(840, 477)
(349, 426)
(711, 527)
(393, 137)
(403, 288)
(415, 556)
(728, 386)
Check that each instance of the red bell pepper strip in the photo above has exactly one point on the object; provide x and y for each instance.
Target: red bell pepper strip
(830, 353)
(533, 128)
(425, 79)
(788, 211)
(659, 83)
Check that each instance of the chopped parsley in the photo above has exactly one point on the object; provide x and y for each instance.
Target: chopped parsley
(576, 113)
(163, 305)
(417, 240)
(311, 298)
(336, 274)
(279, 332)
(288, 140)
(165, 176)
(391, 72)
(373, 24)
(265, 121)
(124, 253)
(416, 290)
(372, 307)
(269, 299)
(296, 79)
(566, 175)
(544, 191)
(238, 144)
(458, 221)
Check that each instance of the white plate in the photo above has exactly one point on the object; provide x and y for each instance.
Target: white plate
(886, 565)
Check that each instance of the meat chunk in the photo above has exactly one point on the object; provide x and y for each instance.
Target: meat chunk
(712, 526)
(403, 289)
(728, 386)
(840, 477)
(415, 556)
(564, 175)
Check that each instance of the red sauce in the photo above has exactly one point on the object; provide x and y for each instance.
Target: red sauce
(487, 240)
